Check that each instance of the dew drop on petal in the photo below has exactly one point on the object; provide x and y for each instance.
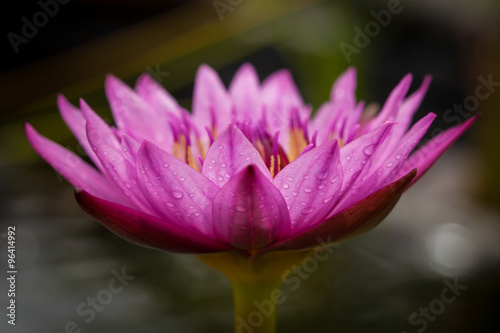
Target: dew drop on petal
(240, 208)
(328, 199)
(285, 185)
(398, 156)
(181, 179)
(321, 186)
(177, 194)
(220, 178)
(169, 204)
(295, 193)
(308, 189)
(389, 164)
(369, 150)
(165, 165)
(322, 175)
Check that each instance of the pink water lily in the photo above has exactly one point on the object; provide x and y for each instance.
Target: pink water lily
(249, 170)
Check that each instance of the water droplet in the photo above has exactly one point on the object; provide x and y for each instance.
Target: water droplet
(150, 184)
(181, 179)
(165, 165)
(213, 161)
(177, 194)
(290, 178)
(369, 150)
(169, 204)
(285, 185)
(308, 189)
(321, 186)
(328, 199)
(333, 180)
(348, 158)
(155, 193)
(389, 164)
(240, 208)
(322, 175)
(196, 214)
(223, 165)
(398, 156)
(220, 147)
(295, 193)
(127, 185)
(220, 178)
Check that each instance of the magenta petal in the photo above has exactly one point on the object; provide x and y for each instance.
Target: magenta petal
(130, 147)
(357, 155)
(70, 166)
(146, 230)
(115, 166)
(73, 117)
(427, 155)
(134, 116)
(311, 184)
(244, 90)
(353, 221)
(229, 154)
(156, 96)
(175, 190)
(249, 212)
(392, 104)
(344, 89)
(211, 102)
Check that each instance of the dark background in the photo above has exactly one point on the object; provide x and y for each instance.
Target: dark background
(446, 227)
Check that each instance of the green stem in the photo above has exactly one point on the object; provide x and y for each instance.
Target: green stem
(255, 306)
(256, 282)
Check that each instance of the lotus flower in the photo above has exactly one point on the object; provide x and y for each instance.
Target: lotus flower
(249, 172)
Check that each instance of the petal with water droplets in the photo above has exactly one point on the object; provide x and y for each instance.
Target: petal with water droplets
(174, 189)
(353, 221)
(311, 184)
(249, 212)
(230, 153)
(147, 230)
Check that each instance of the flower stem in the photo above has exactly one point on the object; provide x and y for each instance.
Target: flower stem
(255, 306)
(256, 283)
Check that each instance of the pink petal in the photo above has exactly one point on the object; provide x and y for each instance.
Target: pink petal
(146, 230)
(392, 104)
(311, 184)
(229, 154)
(353, 221)
(358, 154)
(249, 212)
(156, 96)
(211, 102)
(175, 190)
(130, 147)
(427, 155)
(383, 171)
(71, 167)
(115, 166)
(344, 89)
(280, 99)
(76, 123)
(244, 90)
(134, 116)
